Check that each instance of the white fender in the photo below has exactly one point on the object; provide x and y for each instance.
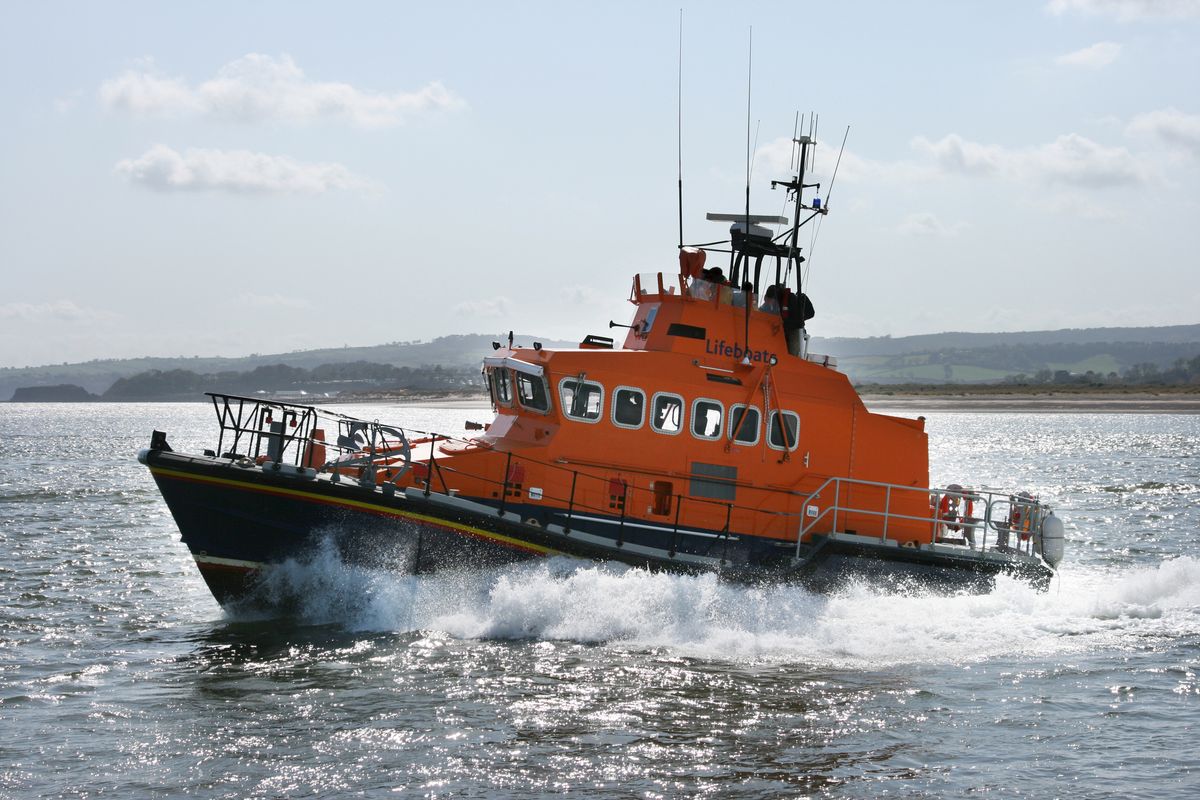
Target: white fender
(1053, 540)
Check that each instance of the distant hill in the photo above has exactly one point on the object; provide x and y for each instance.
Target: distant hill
(99, 375)
(927, 358)
(995, 357)
(324, 382)
(63, 393)
(925, 342)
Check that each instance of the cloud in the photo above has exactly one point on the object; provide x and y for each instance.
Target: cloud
(925, 223)
(492, 307)
(258, 87)
(1128, 10)
(1071, 160)
(1101, 54)
(1078, 161)
(145, 92)
(239, 171)
(952, 153)
(56, 311)
(1170, 125)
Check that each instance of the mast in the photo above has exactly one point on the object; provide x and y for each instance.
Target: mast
(798, 188)
(801, 309)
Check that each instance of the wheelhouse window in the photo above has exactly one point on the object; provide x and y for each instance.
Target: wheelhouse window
(784, 430)
(667, 413)
(581, 400)
(500, 387)
(743, 424)
(531, 392)
(707, 416)
(628, 407)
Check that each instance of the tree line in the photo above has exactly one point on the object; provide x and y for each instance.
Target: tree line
(1181, 372)
(174, 384)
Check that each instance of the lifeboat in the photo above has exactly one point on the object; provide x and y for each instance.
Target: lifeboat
(709, 439)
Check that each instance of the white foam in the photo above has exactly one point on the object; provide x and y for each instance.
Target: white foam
(859, 626)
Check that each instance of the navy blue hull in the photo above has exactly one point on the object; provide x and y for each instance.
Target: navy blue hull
(236, 519)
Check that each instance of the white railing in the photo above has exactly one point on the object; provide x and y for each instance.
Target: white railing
(1013, 518)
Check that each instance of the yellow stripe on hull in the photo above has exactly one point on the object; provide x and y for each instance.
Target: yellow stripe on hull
(362, 506)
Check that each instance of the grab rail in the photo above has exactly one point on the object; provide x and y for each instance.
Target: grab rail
(366, 447)
(1014, 517)
(288, 432)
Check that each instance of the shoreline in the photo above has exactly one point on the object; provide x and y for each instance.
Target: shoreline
(1149, 402)
(999, 402)
(1046, 403)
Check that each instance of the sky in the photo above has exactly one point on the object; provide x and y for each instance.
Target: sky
(226, 178)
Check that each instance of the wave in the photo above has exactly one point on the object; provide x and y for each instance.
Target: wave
(860, 626)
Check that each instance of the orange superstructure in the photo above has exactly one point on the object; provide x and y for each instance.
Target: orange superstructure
(689, 408)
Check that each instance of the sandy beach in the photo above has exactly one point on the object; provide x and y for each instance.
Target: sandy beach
(420, 400)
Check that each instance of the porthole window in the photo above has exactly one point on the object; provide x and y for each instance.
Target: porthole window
(784, 430)
(531, 392)
(707, 417)
(667, 413)
(743, 424)
(628, 407)
(581, 400)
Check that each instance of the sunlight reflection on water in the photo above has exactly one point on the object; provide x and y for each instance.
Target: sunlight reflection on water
(120, 675)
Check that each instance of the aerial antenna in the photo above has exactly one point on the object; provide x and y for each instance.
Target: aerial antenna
(754, 150)
(791, 166)
(836, 165)
(816, 123)
(749, 161)
(817, 229)
(679, 126)
(749, 75)
(795, 133)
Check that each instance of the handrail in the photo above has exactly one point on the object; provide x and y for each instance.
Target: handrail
(242, 416)
(1024, 517)
(366, 445)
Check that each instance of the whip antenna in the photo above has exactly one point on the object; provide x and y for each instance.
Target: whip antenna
(817, 230)
(679, 126)
(791, 166)
(836, 165)
(795, 133)
(749, 75)
(757, 128)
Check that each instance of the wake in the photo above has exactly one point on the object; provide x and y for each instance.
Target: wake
(859, 626)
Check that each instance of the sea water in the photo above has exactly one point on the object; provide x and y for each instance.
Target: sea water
(120, 675)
